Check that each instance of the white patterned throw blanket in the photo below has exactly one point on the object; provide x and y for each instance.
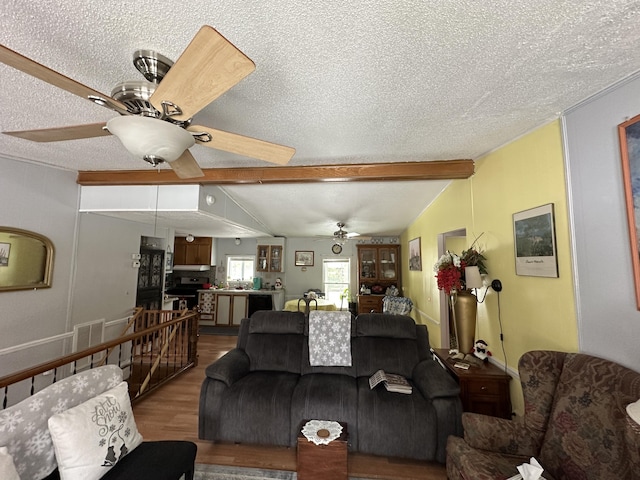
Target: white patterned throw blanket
(330, 338)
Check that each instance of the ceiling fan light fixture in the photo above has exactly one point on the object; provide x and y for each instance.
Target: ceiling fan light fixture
(151, 138)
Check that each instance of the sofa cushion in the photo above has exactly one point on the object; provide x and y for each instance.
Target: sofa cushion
(274, 341)
(280, 353)
(269, 321)
(384, 417)
(7, 468)
(257, 409)
(91, 438)
(385, 325)
(387, 342)
(585, 437)
(321, 396)
(484, 464)
(393, 355)
(23, 427)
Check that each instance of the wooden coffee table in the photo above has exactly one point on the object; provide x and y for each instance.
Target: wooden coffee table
(322, 462)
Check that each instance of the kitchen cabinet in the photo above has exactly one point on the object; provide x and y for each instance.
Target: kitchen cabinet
(207, 304)
(270, 258)
(378, 269)
(197, 252)
(230, 308)
(238, 309)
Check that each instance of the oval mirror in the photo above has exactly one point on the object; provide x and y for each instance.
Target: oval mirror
(26, 260)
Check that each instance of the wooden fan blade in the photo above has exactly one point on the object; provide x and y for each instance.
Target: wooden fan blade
(35, 69)
(60, 134)
(208, 67)
(186, 166)
(247, 146)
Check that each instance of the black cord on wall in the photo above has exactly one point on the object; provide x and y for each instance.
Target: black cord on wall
(496, 285)
(504, 353)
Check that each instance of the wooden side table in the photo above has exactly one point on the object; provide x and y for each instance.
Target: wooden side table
(483, 388)
(321, 462)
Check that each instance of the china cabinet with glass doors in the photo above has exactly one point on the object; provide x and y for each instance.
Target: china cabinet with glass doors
(378, 269)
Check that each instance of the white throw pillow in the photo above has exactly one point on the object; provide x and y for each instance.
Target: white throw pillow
(23, 427)
(7, 468)
(90, 439)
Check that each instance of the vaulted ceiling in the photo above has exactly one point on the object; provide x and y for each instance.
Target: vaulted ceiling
(344, 83)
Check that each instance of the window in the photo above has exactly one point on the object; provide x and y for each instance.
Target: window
(240, 269)
(335, 277)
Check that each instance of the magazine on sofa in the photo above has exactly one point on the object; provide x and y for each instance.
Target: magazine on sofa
(392, 382)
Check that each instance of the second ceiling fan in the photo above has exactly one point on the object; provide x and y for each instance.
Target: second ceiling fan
(155, 115)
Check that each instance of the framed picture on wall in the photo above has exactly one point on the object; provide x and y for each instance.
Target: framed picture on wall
(415, 256)
(535, 242)
(304, 258)
(5, 248)
(629, 133)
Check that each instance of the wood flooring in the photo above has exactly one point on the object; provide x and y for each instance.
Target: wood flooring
(171, 413)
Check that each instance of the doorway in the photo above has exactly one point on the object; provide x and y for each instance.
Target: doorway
(454, 241)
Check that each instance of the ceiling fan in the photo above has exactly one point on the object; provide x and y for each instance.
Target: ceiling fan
(155, 115)
(340, 236)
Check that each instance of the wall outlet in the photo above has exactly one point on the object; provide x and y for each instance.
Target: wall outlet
(135, 256)
(135, 264)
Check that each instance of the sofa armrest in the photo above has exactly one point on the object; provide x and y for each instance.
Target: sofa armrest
(229, 368)
(433, 381)
(496, 434)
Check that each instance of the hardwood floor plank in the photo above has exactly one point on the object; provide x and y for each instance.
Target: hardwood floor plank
(171, 413)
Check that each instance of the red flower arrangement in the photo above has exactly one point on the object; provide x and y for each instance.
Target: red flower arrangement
(450, 269)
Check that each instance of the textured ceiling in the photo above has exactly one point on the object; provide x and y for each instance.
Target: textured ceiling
(342, 82)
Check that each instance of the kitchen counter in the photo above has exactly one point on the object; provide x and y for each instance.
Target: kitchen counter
(240, 291)
(278, 295)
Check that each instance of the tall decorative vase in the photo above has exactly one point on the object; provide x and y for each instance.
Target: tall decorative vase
(465, 308)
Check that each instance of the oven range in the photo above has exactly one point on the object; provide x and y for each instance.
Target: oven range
(187, 291)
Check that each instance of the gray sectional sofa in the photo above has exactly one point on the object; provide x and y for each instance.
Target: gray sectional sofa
(261, 391)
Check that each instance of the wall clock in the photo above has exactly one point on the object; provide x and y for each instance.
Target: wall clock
(336, 248)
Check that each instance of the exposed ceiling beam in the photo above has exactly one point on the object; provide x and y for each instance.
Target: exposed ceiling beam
(432, 170)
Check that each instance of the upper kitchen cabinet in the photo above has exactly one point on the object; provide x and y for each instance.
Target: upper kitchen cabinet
(270, 258)
(197, 252)
(379, 265)
(270, 254)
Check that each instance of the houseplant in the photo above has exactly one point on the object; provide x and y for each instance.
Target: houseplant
(450, 274)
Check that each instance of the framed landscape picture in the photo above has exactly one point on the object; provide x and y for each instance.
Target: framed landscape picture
(629, 133)
(304, 258)
(535, 242)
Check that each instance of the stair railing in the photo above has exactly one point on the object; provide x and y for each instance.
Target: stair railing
(164, 343)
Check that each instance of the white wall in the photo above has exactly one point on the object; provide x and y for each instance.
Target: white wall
(299, 280)
(105, 281)
(295, 280)
(92, 273)
(43, 200)
(608, 319)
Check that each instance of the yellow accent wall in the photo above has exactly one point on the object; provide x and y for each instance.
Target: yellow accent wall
(535, 312)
